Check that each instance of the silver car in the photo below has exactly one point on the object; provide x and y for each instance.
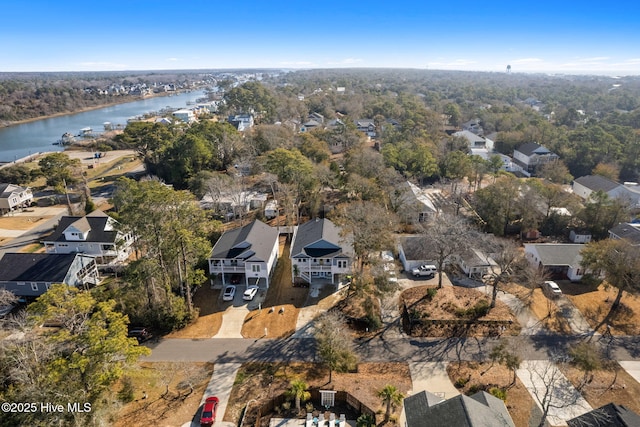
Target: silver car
(229, 293)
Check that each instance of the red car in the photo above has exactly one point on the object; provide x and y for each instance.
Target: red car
(209, 411)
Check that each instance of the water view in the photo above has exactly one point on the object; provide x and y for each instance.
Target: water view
(25, 139)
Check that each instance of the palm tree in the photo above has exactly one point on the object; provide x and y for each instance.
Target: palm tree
(390, 396)
(299, 391)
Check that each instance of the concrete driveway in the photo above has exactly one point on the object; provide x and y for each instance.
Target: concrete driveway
(549, 387)
(433, 377)
(237, 310)
(220, 385)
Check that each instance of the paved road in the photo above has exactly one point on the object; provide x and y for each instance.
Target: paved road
(31, 236)
(229, 350)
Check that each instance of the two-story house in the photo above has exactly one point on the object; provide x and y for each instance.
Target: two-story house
(14, 197)
(319, 253)
(31, 275)
(585, 186)
(94, 234)
(531, 155)
(367, 126)
(245, 255)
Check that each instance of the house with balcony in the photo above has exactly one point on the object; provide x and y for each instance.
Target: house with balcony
(531, 155)
(319, 254)
(245, 255)
(13, 197)
(95, 234)
(31, 275)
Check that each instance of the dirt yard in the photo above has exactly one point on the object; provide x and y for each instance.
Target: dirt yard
(595, 303)
(21, 222)
(542, 307)
(210, 318)
(266, 380)
(173, 393)
(610, 385)
(455, 303)
(518, 401)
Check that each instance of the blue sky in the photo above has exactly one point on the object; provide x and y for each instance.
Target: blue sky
(540, 36)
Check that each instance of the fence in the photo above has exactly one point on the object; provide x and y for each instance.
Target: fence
(456, 327)
(267, 408)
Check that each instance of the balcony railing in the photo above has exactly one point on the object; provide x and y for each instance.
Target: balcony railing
(219, 268)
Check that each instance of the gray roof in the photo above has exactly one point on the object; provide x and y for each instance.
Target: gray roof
(610, 415)
(253, 242)
(559, 254)
(25, 267)
(7, 189)
(471, 137)
(628, 232)
(597, 183)
(479, 410)
(95, 223)
(326, 236)
(418, 248)
(530, 147)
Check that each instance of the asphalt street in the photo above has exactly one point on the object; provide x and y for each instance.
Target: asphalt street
(233, 350)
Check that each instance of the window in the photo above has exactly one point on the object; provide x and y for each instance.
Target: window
(255, 268)
(34, 286)
(342, 264)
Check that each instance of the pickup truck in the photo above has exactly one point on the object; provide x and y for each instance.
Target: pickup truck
(424, 271)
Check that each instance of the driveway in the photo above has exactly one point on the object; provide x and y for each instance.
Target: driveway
(234, 315)
(563, 402)
(578, 323)
(220, 385)
(432, 377)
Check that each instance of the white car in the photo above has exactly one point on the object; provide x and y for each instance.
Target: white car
(552, 289)
(425, 271)
(250, 293)
(229, 293)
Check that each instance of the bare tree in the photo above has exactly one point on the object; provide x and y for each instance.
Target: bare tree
(550, 389)
(509, 265)
(334, 344)
(445, 236)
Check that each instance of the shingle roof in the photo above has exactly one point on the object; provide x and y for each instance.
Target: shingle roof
(313, 231)
(418, 248)
(626, 231)
(95, 222)
(597, 183)
(479, 410)
(253, 242)
(25, 267)
(529, 148)
(7, 189)
(559, 254)
(610, 415)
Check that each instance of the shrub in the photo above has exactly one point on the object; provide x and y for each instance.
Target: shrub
(461, 382)
(474, 389)
(499, 393)
(125, 395)
(365, 420)
(431, 293)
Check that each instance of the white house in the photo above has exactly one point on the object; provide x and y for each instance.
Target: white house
(271, 209)
(319, 253)
(185, 115)
(474, 263)
(31, 275)
(95, 234)
(245, 255)
(415, 251)
(561, 260)
(14, 197)
(585, 186)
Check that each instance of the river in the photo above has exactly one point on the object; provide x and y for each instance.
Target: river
(29, 138)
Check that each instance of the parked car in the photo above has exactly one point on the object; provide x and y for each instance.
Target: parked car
(250, 293)
(141, 333)
(236, 279)
(552, 289)
(229, 293)
(209, 411)
(425, 270)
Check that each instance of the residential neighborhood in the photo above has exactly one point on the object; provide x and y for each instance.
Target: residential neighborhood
(284, 252)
